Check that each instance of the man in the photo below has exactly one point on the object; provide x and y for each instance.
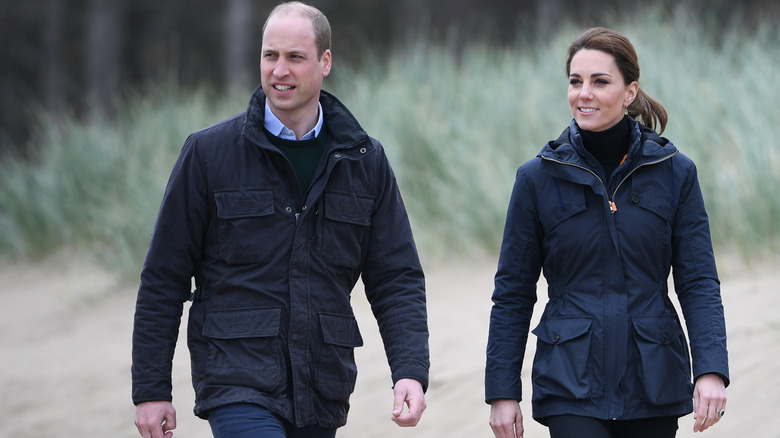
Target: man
(276, 213)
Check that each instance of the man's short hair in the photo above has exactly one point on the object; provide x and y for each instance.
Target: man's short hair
(319, 22)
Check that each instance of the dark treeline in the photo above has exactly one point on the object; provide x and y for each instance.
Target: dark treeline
(82, 57)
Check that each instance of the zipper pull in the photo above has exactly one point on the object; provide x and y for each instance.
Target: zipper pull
(612, 206)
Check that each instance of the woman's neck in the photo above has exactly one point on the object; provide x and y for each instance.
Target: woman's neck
(609, 144)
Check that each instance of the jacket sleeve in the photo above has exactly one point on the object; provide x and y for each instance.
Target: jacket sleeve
(166, 277)
(394, 280)
(696, 279)
(514, 295)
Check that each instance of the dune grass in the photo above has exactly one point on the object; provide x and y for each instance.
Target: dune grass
(456, 124)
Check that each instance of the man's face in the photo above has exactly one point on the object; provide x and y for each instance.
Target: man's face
(291, 72)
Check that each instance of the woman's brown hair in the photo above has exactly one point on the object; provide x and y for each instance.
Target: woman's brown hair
(644, 108)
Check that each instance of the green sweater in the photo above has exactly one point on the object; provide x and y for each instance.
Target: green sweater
(304, 155)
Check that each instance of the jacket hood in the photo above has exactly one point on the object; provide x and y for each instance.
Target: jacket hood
(343, 127)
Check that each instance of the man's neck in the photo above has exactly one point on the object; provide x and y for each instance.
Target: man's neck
(301, 122)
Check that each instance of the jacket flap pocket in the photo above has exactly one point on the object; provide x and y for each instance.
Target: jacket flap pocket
(236, 204)
(243, 323)
(653, 194)
(349, 208)
(660, 329)
(569, 200)
(340, 330)
(557, 330)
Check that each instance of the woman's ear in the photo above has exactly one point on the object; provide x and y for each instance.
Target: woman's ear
(631, 92)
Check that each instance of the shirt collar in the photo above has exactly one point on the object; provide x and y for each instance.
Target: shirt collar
(277, 128)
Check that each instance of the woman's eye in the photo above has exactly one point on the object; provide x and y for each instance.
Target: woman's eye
(574, 82)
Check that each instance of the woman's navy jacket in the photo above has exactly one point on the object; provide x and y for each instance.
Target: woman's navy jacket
(271, 321)
(609, 343)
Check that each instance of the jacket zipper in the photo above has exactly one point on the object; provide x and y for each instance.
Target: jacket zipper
(610, 199)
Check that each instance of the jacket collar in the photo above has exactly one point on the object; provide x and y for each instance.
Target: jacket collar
(646, 146)
(344, 131)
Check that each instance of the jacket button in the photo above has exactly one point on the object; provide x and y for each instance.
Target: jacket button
(288, 209)
(556, 337)
(337, 156)
(303, 208)
(362, 150)
(635, 198)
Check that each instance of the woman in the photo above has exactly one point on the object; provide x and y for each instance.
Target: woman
(605, 212)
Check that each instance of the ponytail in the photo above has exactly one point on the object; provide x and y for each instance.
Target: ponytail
(648, 111)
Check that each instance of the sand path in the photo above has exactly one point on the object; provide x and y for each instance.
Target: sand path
(65, 328)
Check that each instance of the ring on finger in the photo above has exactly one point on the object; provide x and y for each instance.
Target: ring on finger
(721, 412)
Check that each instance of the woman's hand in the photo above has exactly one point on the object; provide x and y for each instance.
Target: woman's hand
(709, 400)
(506, 420)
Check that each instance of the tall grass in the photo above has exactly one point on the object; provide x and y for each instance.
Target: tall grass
(96, 185)
(456, 123)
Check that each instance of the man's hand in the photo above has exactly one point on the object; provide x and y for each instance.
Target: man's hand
(506, 419)
(410, 392)
(155, 419)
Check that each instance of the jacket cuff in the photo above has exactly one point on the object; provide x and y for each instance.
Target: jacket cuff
(152, 390)
(711, 361)
(503, 385)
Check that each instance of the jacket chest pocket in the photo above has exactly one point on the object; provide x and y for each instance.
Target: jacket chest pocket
(247, 230)
(343, 224)
(655, 198)
(563, 201)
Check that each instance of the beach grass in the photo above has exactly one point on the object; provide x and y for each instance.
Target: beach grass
(456, 123)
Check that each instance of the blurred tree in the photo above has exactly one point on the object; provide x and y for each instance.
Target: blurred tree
(84, 55)
(104, 54)
(53, 70)
(548, 12)
(241, 52)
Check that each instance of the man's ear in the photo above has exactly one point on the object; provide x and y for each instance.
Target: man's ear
(326, 62)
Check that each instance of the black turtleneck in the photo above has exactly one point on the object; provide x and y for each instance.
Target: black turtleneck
(610, 146)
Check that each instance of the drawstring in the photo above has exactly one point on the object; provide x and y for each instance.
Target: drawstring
(557, 189)
(674, 185)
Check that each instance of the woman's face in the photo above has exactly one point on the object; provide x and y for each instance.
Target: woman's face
(598, 95)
